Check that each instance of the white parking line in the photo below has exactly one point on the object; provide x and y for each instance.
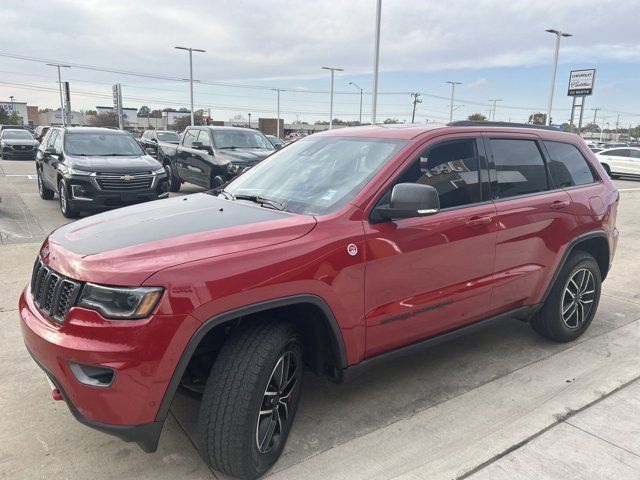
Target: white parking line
(30, 177)
(629, 189)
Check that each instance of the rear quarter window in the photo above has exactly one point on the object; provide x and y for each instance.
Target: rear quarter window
(567, 165)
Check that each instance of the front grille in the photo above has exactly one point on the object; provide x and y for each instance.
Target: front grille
(23, 148)
(53, 294)
(124, 181)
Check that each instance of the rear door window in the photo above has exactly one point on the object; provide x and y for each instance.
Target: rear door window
(567, 165)
(519, 166)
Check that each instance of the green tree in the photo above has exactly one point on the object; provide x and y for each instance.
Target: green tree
(321, 122)
(538, 118)
(144, 111)
(183, 122)
(156, 114)
(91, 112)
(108, 119)
(389, 121)
(477, 117)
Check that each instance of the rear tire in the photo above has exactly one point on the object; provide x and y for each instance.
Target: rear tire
(45, 193)
(251, 399)
(608, 170)
(573, 301)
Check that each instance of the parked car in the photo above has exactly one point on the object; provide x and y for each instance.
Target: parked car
(151, 139)
(40, 132)
(275, 141)
(96, 169)
(344, 250)
(210, 156)
(12, 127)
(620, 161)
(17, 144)
(614, 145)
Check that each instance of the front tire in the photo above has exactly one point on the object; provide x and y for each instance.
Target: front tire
(65, 206)
(174, 182)
(251, 399)
(44, 192)
(573, 301)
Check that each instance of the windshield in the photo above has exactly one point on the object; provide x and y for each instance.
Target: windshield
(240, 139)
(316, 175)
(169, 137)
(101, 144)
(16, 134)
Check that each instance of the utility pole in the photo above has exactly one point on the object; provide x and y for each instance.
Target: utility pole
(278, 126)
(453, 90)
(493, 111)
(376, 63)
(416, 99)
(361, 90)
(62, 112)
(332, 70)
(617, 122)
(191, 50)
(595, 113)
(249, 120)
(558, 34)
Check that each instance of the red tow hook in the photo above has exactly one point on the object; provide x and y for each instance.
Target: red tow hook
(56, 395)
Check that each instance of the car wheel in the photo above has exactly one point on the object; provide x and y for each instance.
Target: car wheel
(65, 206)
(608, 170)
(174, 183)
(45, 193)
(251, 399)
(573, 301)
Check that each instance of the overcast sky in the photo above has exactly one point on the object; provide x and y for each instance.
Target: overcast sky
(497, 49)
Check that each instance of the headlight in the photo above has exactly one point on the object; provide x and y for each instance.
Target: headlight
(159, 171)
(120, 302)
(73, 171)
(234, 168)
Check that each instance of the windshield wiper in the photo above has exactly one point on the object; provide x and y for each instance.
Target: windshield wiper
(264, 202)
(228, 148)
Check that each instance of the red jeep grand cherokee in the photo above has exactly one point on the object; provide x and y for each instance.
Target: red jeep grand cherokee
(341, 250)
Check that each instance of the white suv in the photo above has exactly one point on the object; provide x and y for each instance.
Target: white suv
(620, 161)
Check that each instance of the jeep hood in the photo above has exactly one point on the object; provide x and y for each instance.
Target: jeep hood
(126, 246)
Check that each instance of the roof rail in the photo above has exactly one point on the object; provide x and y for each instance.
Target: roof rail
(472, 123)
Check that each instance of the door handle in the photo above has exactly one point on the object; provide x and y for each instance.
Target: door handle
(560, 204)
(478, 221)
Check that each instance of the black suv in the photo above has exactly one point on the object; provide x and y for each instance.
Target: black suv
(96, 169)
(17, 143)
(151, 138)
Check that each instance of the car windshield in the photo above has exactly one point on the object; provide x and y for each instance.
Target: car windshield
(316, 175)
(232, 139)
(169, 137)
(16, 134)
(101, 144)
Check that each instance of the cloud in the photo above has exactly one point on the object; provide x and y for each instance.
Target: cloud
(480, 82)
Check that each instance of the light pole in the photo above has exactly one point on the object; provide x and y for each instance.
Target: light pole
(59, 66)
(361, 90)
(278, 126)
(558, 34)
(376, 63)
(332, 70)
(190, 50)
(493, 111)
(249, 120)
(453, 89)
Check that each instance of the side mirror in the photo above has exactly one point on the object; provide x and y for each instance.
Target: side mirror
(150, 151)
(410, 200)
(51, 151)
(278, 146)
(154, 140)
(197, 145)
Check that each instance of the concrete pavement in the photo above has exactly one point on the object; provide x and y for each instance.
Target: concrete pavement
(499, 404)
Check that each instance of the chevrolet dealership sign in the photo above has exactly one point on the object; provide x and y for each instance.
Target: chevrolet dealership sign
(581, 82)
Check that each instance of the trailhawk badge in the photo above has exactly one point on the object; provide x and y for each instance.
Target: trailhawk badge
(44, 253)
(352, 250)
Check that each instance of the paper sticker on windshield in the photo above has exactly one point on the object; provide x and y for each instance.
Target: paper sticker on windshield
(328, 195)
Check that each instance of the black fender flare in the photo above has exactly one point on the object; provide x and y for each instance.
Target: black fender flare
(568, 250)
(221, 318)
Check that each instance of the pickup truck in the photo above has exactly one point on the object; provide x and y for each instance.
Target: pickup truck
(211, 156)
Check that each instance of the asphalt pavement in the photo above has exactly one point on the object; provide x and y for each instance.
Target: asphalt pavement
(502, 403)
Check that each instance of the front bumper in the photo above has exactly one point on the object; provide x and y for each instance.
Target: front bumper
(10, 152)
(85, 193)
(143, 353)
